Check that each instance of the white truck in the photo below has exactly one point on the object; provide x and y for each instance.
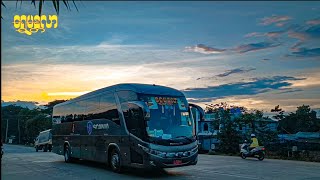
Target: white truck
(44, 141)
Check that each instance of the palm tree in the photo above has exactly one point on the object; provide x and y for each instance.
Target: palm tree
(54, 2)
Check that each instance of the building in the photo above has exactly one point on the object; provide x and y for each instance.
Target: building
(208, 126)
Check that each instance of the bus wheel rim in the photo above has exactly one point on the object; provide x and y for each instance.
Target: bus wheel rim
(66, 156)
(115, 161)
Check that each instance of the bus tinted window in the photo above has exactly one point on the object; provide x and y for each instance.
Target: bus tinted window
(108, 108)
(81, 105)
(92, 107)
(134, 119)
(107, 101)
(125, 96)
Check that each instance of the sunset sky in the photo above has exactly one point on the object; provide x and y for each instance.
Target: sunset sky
(254, 54)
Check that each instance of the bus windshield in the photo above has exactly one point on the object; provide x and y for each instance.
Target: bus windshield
(169, 118)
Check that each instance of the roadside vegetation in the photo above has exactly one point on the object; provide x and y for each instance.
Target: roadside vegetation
(25, 124)
(302, 120)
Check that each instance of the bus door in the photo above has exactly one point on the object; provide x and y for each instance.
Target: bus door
(75, 140)
(134, 119)
(88, 143)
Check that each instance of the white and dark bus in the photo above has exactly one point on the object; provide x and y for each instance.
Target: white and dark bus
(127, 125)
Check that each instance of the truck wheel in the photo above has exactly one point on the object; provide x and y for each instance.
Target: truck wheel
(45, 148)
(37, 149)
(50, 148)
(115, 161)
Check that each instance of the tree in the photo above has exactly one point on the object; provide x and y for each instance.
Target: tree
(229, 137)
(55, 3)
(50, 105)
(16, 117)
(37, 124)
(304, 119)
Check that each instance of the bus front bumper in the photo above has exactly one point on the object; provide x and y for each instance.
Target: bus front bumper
(159, 162)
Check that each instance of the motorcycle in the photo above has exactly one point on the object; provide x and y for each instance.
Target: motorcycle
(257, 152)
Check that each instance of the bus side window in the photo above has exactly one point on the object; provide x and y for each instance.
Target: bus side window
(125, 96)
(134, 119)
(80, 110)
(92, 108)
(63, 119)
(108, 108)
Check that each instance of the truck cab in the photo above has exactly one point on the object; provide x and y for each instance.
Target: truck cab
(44, 141)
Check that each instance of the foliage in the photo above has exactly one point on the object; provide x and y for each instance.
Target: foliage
(50, 105)
(28, 122)
(55, 3)
(304, 120)
(228, 135)
(37, 124)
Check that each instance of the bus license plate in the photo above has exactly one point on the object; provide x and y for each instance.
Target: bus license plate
(177, 162)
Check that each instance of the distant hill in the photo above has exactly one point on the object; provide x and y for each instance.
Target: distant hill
(25, 104)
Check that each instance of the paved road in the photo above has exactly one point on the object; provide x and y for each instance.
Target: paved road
(23, 163)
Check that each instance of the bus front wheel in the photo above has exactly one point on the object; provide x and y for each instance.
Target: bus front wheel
(67, 157)
(114, 161)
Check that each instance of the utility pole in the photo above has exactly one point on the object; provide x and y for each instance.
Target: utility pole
(19, 128)
(7, 131)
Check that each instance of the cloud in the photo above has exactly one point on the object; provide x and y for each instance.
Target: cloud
(284, 91)
(253, 34)
(239, 49)
(273, 34)
(235, 71)
(25, 104)
(296, 45)
(201, 48)
(313, 22)
(104, 53)
(256, 86)
(68, 93)
(254, 47)
(229, 72)
(277, 20)
(305, 33)
(305, 52)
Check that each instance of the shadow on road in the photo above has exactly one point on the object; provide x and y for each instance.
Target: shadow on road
(139, 173)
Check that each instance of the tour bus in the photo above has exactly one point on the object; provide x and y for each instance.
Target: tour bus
(127, 125)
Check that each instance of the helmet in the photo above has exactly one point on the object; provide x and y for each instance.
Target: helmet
(253, 135)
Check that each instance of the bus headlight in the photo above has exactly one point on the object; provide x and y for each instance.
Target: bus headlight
(152, 151)
(187, 153)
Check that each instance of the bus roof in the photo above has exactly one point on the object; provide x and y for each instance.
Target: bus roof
(138, 88)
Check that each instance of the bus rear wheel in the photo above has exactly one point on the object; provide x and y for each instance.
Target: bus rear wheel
(115, 161)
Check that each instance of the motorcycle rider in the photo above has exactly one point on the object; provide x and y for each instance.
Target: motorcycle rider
(254, 142)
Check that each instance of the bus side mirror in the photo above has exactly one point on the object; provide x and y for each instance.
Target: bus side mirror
(145, 109)
(146, 113)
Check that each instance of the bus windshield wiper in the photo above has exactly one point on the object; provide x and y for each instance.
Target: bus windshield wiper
(185, 138)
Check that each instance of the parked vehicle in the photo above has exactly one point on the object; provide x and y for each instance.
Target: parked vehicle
(127, 125)
(1, 149)
(44, 141)
(257, 152)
